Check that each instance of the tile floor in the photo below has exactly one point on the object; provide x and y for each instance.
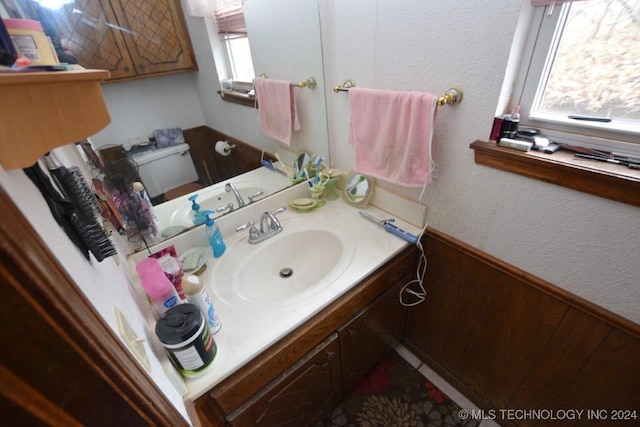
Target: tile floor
(443, 385)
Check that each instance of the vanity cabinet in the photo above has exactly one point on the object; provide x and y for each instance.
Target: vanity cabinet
(309, 369)
(299, 394)
(132, 39)
(367, 337)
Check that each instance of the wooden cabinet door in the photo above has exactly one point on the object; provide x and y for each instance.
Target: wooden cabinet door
(299, 395)
(369, 336)
(88, 30)
(156, 35)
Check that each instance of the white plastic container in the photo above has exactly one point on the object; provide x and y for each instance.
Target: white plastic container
(197, 295)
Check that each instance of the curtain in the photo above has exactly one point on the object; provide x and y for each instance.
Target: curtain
(201, 8)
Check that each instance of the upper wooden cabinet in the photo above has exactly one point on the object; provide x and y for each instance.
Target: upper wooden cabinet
(129, 38)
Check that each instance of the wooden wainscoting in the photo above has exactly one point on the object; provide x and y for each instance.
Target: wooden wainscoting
(509, 340)
(213, 167)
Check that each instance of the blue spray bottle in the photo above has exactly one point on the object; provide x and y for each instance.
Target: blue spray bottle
(214, 235)
(196, 216)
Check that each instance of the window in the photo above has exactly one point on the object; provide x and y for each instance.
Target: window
(229, 17)
(583, 59)
(239, 58)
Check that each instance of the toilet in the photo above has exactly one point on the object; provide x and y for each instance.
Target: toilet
(166, 169)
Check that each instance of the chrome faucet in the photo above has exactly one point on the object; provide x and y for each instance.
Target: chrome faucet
(269, 226)
(229, 187)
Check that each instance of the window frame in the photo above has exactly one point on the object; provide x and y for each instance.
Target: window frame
(230, 62)
(542, 34)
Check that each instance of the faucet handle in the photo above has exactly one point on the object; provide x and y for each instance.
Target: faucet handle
(245, 226)
(280, 210)
(254, 195)
(225, 207)
(253, 231)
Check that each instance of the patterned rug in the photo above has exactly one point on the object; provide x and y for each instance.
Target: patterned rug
(394, 394)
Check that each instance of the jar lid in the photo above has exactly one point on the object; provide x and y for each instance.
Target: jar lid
(22, 24)
(179, 325)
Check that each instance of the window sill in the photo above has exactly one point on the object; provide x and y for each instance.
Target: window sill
(238, 98)
(602, 179)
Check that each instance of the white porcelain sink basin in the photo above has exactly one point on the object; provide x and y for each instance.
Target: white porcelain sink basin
(211, 202)
(310, 253)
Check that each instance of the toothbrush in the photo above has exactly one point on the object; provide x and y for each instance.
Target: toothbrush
(294, 168)
(306, 174)
(318, 163)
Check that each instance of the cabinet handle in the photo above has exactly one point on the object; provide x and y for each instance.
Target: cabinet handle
(330, 355)
(143, 66)
(126, 69)
(353, 332)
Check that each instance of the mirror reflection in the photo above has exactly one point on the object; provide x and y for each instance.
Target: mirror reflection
(286, 44)
(358, 189)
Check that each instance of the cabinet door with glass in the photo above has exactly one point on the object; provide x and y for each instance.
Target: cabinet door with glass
(131, 39)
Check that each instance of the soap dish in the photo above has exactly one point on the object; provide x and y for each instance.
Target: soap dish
(303, 204)
(193, 261)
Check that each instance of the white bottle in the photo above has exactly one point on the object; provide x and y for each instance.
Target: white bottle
(197, 294)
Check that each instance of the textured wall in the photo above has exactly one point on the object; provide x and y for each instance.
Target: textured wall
(582, 243)
(106, 284)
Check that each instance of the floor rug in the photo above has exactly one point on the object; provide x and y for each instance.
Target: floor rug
(394, 394)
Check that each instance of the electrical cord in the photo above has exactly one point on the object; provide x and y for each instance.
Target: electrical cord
(419, 295)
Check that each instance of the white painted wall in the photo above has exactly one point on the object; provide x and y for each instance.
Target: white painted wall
(107, 285)
(582, 243)
(139, 107)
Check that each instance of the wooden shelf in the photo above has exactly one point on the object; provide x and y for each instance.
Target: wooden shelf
(238, 98)
(43, 110)
(602, 179)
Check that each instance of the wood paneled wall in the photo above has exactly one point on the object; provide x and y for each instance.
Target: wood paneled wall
(213, 167)
(509, 340)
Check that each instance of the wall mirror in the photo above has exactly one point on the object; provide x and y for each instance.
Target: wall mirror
(358, 189)
(286, 44)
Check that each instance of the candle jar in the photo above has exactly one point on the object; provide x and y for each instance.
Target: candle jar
(317, 194)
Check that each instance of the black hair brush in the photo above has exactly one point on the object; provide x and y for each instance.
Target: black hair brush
(85, 210)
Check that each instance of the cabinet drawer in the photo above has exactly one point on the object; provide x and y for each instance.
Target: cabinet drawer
(299, 394)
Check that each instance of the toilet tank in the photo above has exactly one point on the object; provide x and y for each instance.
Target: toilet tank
(166, 168)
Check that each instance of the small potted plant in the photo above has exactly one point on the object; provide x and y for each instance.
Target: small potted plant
(329, 177)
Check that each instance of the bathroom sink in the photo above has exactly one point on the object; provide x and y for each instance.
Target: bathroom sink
(211, 202)
(307, 256)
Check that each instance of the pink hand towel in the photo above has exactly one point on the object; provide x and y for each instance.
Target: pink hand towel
(392, 134)
(277, 106)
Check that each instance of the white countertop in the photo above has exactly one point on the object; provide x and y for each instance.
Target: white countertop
(248, 331)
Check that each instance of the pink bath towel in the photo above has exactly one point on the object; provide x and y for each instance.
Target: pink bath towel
(392, 134)
(277, 106)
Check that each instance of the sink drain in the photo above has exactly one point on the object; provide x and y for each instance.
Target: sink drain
(285, 273)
